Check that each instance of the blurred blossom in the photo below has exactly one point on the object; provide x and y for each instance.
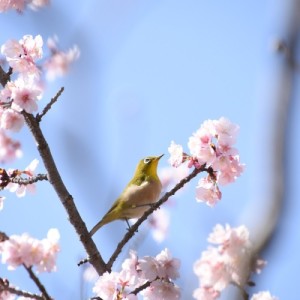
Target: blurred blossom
(59, 62)
(9, 148)
(226, 263)
(159, 222)
(263, 296)
(24, 249)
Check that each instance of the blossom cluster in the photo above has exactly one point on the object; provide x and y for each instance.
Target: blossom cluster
(156, 273)
(23, 249)
(24, 90)
(211, 146)
(226, 263)
(20, 5)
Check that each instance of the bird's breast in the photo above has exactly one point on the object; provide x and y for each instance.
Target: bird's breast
(136, 197)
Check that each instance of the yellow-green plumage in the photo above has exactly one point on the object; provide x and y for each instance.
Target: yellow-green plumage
(144, 188)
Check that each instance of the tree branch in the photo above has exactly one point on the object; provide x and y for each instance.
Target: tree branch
(4, 287)
(49, 105)
(65, 197)
(38, 283)
(4, 77)
(26, 181)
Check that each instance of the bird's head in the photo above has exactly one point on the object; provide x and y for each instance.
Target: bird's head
(148, 166)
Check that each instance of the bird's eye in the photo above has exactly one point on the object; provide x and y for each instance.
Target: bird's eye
(147, 160)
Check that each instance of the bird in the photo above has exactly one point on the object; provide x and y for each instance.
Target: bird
(142, 190)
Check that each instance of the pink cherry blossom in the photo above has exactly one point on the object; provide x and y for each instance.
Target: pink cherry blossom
(226, 132)
(21, 55)
(105, 286)
(9, 149)
(59, 62)
(212, 271)
(206, 293)
(5, 295)
(11, 120)
(208, 191)
(159, 270)
(25, 95)
(26, 250)
(176, 154)
(12, 4)
(149, 268)
(228, 262)
(169, 266)
(263, 296)
(161, 289)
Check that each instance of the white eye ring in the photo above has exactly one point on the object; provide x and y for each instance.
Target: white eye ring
(147, 160)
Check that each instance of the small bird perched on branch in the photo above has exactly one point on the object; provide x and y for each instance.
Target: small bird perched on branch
(142, 190)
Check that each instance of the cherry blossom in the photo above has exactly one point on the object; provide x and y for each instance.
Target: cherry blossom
(9, 148)
(176, 154)
(211, 146)
(24, 249)
(208, 191)
(19, 5)
(263, 296)
(22, 55)
(161, 289)
(59, 62)
(11, 120)
(12, 4)
(25, 94)
(159, 271)
(228, 262)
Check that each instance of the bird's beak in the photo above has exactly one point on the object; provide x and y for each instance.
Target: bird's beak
(159, 157)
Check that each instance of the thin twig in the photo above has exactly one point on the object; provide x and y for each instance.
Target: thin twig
(26, 181)
(133, 229)
(65, 197)
(141, 288)
(49, 105)
(38, 283)
(4, 287)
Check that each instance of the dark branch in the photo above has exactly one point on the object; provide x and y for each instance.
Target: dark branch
(141, 288)
(4, 77)
(49, 105)
(25, 181)
(65, 197)
(4, 287)
(38, 283)
(134, 228)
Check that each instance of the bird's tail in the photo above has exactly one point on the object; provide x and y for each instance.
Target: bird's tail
(97, 227)
(109, 217)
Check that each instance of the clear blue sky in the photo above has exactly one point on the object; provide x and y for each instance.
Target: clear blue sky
(151, 72)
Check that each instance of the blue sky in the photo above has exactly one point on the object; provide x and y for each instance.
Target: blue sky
(149, 73)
